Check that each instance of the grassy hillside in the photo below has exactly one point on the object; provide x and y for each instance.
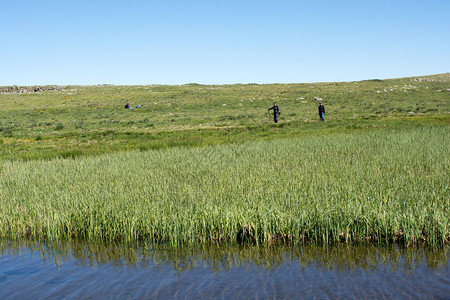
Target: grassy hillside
(84, 120)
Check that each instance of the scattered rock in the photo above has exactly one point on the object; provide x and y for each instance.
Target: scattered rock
(28, 89)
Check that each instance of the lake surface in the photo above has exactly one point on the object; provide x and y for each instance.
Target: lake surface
(73, 270)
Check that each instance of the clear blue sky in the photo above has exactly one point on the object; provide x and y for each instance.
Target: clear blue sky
(63, 42)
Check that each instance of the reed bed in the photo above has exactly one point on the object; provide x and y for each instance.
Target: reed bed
(379, 186)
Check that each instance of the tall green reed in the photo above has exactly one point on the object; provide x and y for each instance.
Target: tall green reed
(379, 186)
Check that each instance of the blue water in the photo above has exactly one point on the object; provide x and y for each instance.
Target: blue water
(140, 272)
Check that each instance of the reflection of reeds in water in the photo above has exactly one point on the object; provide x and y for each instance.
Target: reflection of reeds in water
(378, 187)
(218, 258)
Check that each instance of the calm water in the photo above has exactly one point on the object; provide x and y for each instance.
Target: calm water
(88, 271)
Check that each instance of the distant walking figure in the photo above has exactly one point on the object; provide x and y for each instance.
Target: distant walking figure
(276, 112)
(321, 112)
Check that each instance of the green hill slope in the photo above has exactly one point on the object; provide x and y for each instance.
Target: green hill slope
(46, 122)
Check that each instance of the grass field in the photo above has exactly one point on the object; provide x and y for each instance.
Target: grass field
(219, 170)
(90, 120)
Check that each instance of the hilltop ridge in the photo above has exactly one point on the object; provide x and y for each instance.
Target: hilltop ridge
(15, 89)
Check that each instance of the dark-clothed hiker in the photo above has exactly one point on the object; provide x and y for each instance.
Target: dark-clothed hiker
(321, 112)
(276, 112)
(127, 106)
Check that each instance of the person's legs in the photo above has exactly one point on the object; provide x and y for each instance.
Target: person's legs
(275, 118)
(322, 117)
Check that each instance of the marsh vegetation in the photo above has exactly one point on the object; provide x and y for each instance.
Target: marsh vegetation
(204, 164)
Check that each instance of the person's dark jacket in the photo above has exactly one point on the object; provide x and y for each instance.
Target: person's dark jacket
(276, 109)
(321, 109)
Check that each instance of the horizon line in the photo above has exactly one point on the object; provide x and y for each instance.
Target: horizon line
(206, 84)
